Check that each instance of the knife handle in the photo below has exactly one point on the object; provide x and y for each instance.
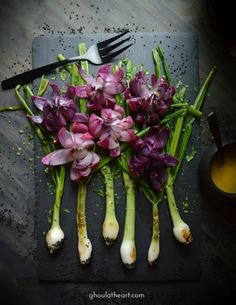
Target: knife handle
(29, 76)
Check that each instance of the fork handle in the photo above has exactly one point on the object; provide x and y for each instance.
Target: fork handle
(29, 76)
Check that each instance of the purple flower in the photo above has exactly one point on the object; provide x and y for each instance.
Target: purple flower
(149, 161)
(56, 111)
(148, 105)
(100, 92)
(111, 128)
(75, 149)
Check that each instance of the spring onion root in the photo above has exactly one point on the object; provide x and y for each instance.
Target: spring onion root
(154, 248)
(128, 249)
(84, 244)
(110, 227)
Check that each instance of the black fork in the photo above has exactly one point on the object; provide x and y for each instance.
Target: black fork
(97, 54)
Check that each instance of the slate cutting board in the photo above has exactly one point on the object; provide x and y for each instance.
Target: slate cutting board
(176, 261)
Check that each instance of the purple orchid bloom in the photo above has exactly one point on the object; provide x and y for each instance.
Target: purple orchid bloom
(56, 111)
(149, 161)
(148, 105)
(100, 92)
(75, 149)
(111, 128)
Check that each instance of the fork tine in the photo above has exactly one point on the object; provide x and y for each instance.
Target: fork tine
(107, 41)
(108, 57)
(106, 50)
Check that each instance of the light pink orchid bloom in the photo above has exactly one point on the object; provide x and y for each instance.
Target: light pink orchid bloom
(100, 92)
(75, 149)
(111, 128)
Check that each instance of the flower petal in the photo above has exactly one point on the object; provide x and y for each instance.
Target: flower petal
(80, 117)
(104, 69)
(55, 88)
(87, 77)
(79, 128)
(58, 157)
(95, 125)
(35, 118)
(83, 91)
(65, 138)
(39, 101)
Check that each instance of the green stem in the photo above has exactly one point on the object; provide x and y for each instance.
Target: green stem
(165, 66)
(11, 108)
(155, 222)
(178, 127)
(202, 93)
(157, 62)
(84, 65)
(109, 184)
(189, 126)
(179, 105)
(84, 244)
(42, 86)
(175, 216)
(24, 103)
(194, 111)
(182, 151)
(172, 116)
(59, 193)
(81, 209)
(129, 229)
(110, 227)
(68, 67)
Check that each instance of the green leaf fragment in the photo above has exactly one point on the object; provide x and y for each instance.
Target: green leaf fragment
(42, 86)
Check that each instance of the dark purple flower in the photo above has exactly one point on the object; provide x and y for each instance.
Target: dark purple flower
(75, 149)
(100, 92)
(56, 111)
(149, 105)
(149, 161)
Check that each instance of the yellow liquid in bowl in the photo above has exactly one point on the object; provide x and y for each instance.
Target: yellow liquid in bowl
(224, 175)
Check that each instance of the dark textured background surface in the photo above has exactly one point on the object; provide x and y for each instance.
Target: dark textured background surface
(20, 22)
(176, 262)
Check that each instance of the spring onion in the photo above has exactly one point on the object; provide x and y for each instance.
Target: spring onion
(110, 227)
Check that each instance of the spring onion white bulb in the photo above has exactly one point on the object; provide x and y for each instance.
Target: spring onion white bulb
(180, 229)
(54, 238)
(154, 248)
(84, 243)
(128, 248)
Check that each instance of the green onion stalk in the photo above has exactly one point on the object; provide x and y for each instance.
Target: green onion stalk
(55, 235)
(11, 108)
(84, 243)
(154, 198)
(128, 247)
(181, 230)
(110, 226)
(154, 247)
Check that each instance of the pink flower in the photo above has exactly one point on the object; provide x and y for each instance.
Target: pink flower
(56, 111)
(111, 128)
(75, 149)
(101, 91)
